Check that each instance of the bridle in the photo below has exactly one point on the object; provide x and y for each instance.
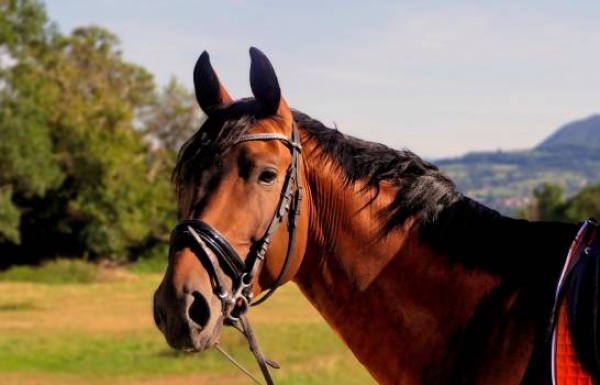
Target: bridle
(235, 304)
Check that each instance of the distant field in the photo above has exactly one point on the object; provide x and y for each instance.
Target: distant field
(103, 333)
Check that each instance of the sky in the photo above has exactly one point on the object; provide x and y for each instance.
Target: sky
(438, 78)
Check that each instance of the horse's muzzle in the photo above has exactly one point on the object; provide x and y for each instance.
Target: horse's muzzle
(185, 324)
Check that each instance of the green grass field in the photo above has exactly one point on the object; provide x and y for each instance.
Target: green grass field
(102, 332)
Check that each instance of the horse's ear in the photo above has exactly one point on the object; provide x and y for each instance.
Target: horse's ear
(209, 90)
(263, 81)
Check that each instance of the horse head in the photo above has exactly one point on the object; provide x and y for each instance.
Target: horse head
(238, 181)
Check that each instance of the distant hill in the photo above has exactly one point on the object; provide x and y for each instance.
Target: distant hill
(584, 133)
(505, 180)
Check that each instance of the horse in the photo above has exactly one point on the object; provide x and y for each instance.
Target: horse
(424, 284)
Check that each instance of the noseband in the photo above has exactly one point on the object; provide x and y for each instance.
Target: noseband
(235, 304)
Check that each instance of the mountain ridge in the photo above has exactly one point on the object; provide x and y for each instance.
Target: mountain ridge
(505, 180)
(584, 132)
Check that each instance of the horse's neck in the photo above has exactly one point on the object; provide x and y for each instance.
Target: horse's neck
(392, 300)
(404, 307)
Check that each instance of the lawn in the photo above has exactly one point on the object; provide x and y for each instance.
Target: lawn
(102, 333)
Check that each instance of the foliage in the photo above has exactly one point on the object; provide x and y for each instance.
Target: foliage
(102, 156)
(23, 26)
(548, 204)
(177, 118)
(9, 216)
(548, 200)
(584, 205)
(78, 175)
(152, 261)
(27, 165)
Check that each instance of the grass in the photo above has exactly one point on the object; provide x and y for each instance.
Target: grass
(102, 333)
(16, 306)
(55, 272)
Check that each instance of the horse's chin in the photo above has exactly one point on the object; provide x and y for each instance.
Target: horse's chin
(195, 340)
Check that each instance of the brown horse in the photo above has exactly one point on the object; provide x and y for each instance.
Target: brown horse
(424, 285)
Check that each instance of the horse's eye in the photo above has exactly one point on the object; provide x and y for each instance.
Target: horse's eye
(267, 177)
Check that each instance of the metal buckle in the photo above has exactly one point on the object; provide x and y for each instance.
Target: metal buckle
(239, 302)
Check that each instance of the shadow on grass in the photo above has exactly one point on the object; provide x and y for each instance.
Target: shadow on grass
(16, 306)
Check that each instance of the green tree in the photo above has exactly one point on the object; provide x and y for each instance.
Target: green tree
(28, 167)
(547, 204)
(76, 174)
(176, 118)
(24, 27)
(583, 205)
(96, 99)
(169, 124)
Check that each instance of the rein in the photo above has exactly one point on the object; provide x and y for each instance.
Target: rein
(235, 304)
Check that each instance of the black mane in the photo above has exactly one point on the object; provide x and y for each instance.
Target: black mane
(423, 190)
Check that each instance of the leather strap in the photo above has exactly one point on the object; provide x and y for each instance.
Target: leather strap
(235, 304)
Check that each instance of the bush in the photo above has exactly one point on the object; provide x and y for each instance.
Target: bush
(153, 260)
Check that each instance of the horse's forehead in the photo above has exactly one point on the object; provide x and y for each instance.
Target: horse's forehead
(260, 118)
(268, 125)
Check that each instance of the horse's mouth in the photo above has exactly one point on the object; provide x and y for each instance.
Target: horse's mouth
(198, 340)
(194, 343)
(202, 344)
(200, 348)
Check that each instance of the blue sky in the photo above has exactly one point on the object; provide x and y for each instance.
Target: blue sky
(439, 78)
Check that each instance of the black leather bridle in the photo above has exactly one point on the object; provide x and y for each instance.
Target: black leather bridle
(235, 304)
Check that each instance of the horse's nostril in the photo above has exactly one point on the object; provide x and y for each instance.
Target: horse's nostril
(199, 312)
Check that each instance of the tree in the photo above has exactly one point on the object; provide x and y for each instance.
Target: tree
(24, 26)
(173, 120)
(75, 171)
(584, 204)
(176, 118)
(28, 167)
(547, 204)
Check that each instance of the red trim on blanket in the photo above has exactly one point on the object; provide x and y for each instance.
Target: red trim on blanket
(568, 368)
